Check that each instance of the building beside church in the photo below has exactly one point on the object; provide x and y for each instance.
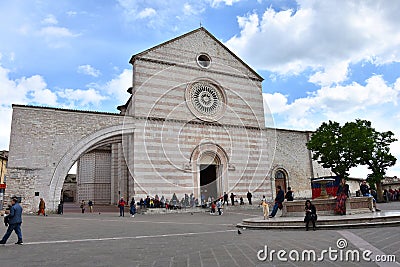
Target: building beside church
(194, 124)
(3, 172)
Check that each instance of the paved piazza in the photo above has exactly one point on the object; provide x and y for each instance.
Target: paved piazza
(197, 239)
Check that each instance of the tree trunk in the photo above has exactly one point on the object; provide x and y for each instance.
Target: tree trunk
(379, 192)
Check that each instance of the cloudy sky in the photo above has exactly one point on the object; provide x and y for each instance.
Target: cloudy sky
(322, 60)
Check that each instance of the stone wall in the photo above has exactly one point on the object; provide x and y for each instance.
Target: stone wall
(41, 138)
(290, 154)
(22, 183)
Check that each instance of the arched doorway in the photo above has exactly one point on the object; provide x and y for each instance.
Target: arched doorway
(280, 179)
(209, 165)
(210, 180)
(106, 136)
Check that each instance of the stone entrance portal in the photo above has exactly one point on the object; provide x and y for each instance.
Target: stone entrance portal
(208, 181)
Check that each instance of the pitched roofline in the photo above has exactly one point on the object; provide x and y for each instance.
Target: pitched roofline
(64, 109)
(137, 56)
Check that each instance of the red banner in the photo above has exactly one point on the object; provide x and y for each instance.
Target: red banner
(2, 186)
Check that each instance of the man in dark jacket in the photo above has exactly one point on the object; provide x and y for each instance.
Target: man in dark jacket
(280, 197)
(14, 223)
(249, 196)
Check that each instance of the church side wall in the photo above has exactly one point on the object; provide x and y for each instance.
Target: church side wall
(292, 156)
(40, 137)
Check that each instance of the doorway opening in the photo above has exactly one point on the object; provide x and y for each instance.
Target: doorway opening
(208, 181)
(280, 179)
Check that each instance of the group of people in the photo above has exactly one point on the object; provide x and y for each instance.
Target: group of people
(132, 207)
(83, 206)
(391, 195)
(309, 209)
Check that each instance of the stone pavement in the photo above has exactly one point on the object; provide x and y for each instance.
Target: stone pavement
(200, 239)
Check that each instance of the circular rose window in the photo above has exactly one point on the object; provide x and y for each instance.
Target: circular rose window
(205, 100)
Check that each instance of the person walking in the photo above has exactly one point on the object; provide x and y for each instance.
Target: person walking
(311, 214)
(90, 204)
(132, 208)
(83, 206)
(14, 222)
(225, 199)
(42, 207)
(121, 206)
(249, 196)
(280, 197)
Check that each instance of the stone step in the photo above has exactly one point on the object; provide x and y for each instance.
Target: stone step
(390, 218)
(325, 227)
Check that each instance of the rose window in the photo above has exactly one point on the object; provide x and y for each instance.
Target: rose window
(205, 100)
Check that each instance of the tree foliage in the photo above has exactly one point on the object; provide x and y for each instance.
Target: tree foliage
(379, 159)
(355, 143)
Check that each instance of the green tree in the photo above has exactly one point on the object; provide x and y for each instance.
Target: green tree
(341, 148)
(379, 158)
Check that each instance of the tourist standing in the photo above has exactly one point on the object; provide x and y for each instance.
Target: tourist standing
(311, 214)
(42, 207)
(60, 209)
(219, 206)
(232, 199)
(225, 199)
(341, 195)
(90, 204)
(121, 206)
(280, 197)
(265, 207)
(213, 206)
(249, 196)
(289, 194)
(83, 206)
(14, 222)
(132, 207)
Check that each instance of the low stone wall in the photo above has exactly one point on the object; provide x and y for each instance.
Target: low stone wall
(354, 205)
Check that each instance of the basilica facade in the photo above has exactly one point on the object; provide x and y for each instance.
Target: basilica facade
(194, 124)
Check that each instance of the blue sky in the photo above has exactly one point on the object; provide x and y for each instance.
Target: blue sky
(321, 60)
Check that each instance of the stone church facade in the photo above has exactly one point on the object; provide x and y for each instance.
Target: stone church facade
(194, 124)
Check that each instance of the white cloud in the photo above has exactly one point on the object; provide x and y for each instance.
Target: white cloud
(118, 86)
(322, 35)
(89, 70)
(375, 101)
(216, 3)
(50, 19)
(81, 98)
(157, 14)
(52, 31)
(275, 103)
(341, 103)
(25, 90)
(147, 12)
(71, 13)
(188, 9)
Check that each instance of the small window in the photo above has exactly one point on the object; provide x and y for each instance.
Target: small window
(280, 175)
(204, 61)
